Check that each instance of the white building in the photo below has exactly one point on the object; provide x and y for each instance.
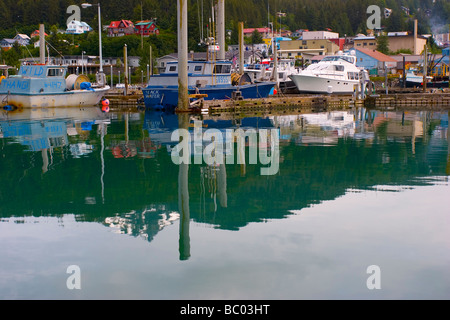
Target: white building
(77, 27)
(319, 35)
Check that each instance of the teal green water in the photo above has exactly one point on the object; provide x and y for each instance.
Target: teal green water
(100, 191)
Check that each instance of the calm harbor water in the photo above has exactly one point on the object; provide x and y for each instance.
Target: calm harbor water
(100, 191)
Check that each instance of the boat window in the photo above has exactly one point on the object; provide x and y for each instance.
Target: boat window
(339, 68)
(172, 68)
(350, 76)
(198, 68)
(222, 68)
(55, 72)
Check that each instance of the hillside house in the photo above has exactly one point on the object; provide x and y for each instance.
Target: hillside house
(120, 28)
(146, 28)
(77, 27)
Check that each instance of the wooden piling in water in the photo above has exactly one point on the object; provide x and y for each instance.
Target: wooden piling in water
(429, 101)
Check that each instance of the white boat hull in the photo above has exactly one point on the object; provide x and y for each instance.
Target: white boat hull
(315, 84)
(75, 98)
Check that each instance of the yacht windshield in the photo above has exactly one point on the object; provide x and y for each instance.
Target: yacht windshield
(337, 58)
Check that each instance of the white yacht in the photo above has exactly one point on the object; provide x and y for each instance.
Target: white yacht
(265, 72)
(285, 69)
(334, 74)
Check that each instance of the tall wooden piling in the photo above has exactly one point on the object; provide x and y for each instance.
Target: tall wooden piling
(125, 67)
(241, 48)
(221, 28)
(183, 96)
(425, 67)
(41, 44)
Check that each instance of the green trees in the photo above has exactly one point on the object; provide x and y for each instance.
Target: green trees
(383, 44)
(347, 17)
(256, 37)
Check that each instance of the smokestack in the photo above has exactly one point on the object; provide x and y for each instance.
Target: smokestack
(41, 44)
(415, 36)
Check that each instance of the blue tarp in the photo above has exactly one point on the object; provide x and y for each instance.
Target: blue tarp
(86, 86)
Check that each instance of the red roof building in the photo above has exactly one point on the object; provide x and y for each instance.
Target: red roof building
(265, 32)
(35, 33)
(120, 28)
(146, 28)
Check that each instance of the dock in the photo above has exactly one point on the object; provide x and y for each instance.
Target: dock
(397, 100)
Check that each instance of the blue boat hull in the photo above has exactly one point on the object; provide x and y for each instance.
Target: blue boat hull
(166, 97)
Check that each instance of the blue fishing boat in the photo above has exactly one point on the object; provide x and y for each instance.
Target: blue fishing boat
(213, 79)
(42, 86)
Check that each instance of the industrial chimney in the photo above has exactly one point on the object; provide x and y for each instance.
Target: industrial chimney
(415, 37)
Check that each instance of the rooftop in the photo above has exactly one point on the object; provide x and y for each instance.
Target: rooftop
(376, 55)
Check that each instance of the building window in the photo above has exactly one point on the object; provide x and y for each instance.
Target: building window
(303, 42)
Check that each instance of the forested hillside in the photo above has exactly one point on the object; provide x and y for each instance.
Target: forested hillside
(348, 17)
(344, 16)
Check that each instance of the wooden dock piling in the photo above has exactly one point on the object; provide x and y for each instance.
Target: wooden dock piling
(433, 100)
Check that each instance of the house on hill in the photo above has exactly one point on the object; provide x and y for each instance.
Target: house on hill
(146, 28)
(77, 27)
(20, 39)
(7, 44)
(35, 34)
(120, 28)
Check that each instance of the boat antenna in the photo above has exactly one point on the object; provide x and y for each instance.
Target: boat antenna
(60, 54)
(29, 53)
(200, 27)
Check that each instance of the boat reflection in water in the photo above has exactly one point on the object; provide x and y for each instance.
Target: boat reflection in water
(124, 159)
(354, 188)
(365, 145)
(44, 129)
